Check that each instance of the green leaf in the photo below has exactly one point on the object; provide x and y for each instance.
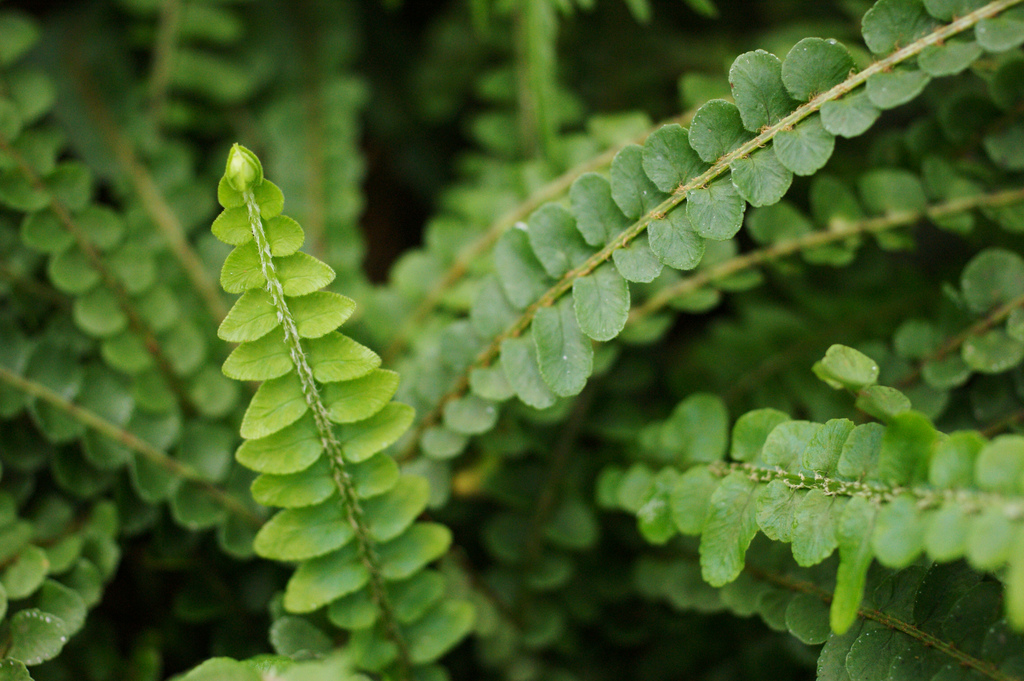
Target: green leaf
(44, 232)
(716, 211)
(250, 318)
(849, 116)
(470, 415)
(321, 580)
(295, 490)
(728, 530)
(232, 226)
(26, 573)
(439, 630)
(1003, 146)
(565, 355)
(776, 504)
(277, 403)
(946, 532)
(690, 499)
(1001, 33)
(806, 148)
(242, 270)
(222, 669)
(99, 313)
(853, 532)
(320, 312)
(412, 597)
(519, 362)
(355, 611)
(423, 543)
(490, 383)
(890, 89)
(492, 312)
(297, 637)
(654, 517)
(388, 515)
(882, 402)
(826, 446)
(716, 129)
(601, 301)
(259, 360)
(301, 274)
(1014, 580)
(598, 218)
(35, 636)
(636, 261)
(814, 527)
(632, 190)
(906, 448)
(364, 439)
(302, 533)
(993, 277)
(948, 59)
(18, 33)
(807, 619)
(374, 475)
(1000, 465)
(289, 450)
(760, 178)
(556, 242)
(992, 352)
(990, 539)
(284, 235)
(359, 398)
(669, 160)
(814, 66)
(845, 367)
(697, 430)
(898, 537)
(756, 82)
(891, 24)
(751, 431)
(336, 357)
(522, 276)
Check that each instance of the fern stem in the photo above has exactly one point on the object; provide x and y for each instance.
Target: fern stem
(163, 58)
(332, 448)
(471, 252)
(153, 201)
(92, 420)
(124, 301)
(953, 344)
(491, 352)
(970, 501)
(837, 231)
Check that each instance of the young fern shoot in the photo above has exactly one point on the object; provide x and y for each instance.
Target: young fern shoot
(315, 431)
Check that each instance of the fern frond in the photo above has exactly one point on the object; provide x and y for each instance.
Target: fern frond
(316, 431)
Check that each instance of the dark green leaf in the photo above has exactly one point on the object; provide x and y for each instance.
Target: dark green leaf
(556, 242)
(760, 178)
(728, 530)
(519, 362)
(522, 276)
(601, 301)
(636, 261)
(756, 80)
(633, 191)
(675, 242)
(890, 89)
(850, 115)
(716, 129)
(668, 158)
(891, 24)
(814, 66)
(949, 58)
(716, 211)
(564, 354)
(597, 216)
(806, 148)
